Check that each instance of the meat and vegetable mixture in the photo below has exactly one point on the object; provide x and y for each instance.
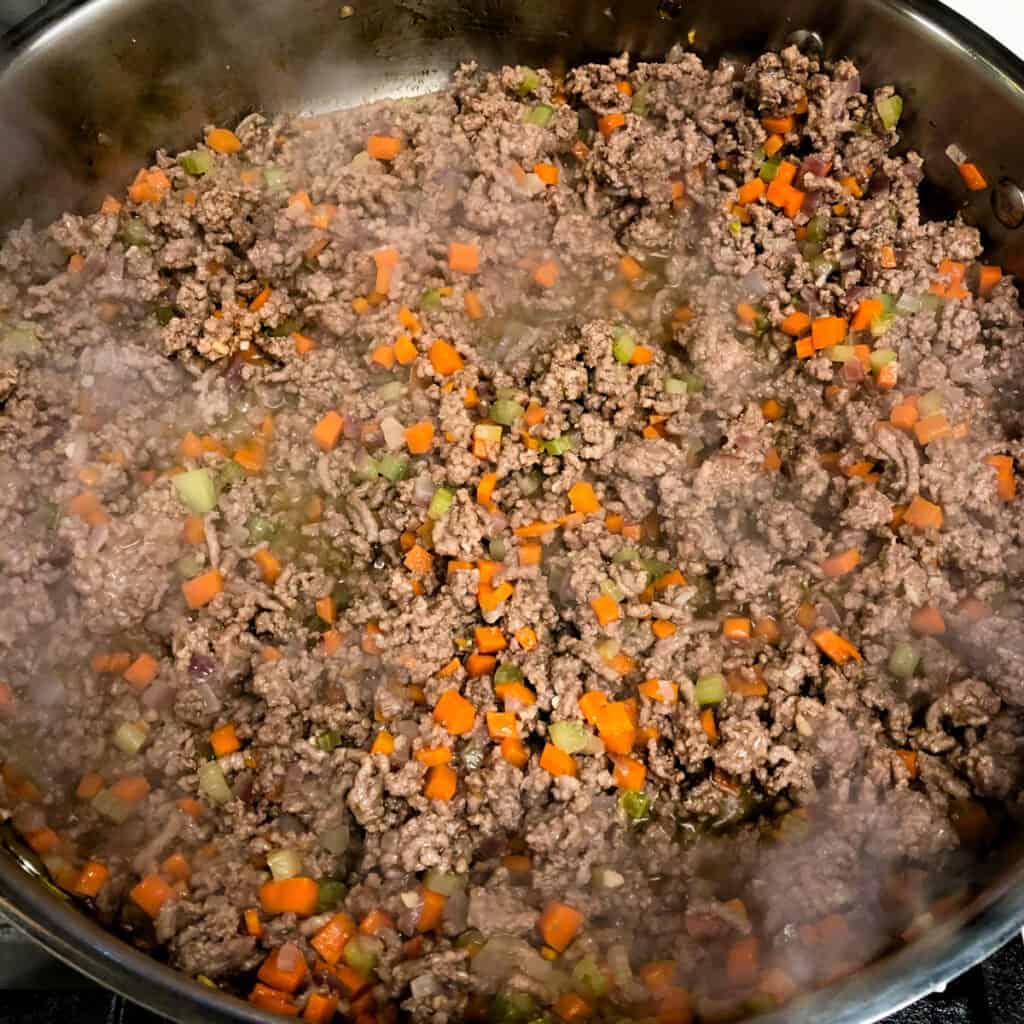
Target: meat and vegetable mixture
(543, 550)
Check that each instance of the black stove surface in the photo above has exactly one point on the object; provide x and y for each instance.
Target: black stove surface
(38, 989)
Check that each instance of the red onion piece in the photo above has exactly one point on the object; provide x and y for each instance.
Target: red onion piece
(853, 371)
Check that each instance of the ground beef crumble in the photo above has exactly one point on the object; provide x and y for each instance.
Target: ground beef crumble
(570, 564)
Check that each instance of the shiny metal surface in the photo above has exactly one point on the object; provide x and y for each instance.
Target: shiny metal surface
(85, 99)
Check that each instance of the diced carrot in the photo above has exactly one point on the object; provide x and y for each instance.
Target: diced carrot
(772, 145)
(376, 921)
(610, 123)
(546, 274)
(114, 663)
(887, 257)
(501, 724)
(851, 185)
(737, 629)
(827, 331)
(91, 879)
(141, 672)
(320, 1009)
(202, 589)
(583, 499)
(866, 313)
(630, 269)
(571, 1006)
(606, 608)
(1006, 483)
(386, 260)
(782, 125)
(419, 438)
(285, 969)
(743, 961)
(177, 867)
(253, 924)
(909, 759)
(149, 186)
(838, 648)
(751, 191)
(796, 324)
(194, 531)
(642, 356)
(268, 565)
(43, 840)
(261, 300)
(928, 621)
(455, 713)
(289, 896)
(515, 693)
(224, 740)
(973, 178)
(629, 773)
(794, 202)
(89, 785)
(151, 894)
(383, 356)
(330, 941)
(464, 257)
(131, 788)
(556, 761)
(222, 140)
(266, 998)
(383, 743)
(548, 173)
(110, 205)
(771, 410)
(663, 629)
(887, 376)
(559, 924)
(489, 639)
(746, 313)
(478, 665)
(444, 358)
(841, 564)
(419, 561)
(932, 428)
(513, 751)
(441, 783)
(988, 278)
(804, 347)
(351, 980)
(709, 725)
(772, 460)
(904, 415)
(431, 913)
(383, 147)
(923, 514)
(327, 431)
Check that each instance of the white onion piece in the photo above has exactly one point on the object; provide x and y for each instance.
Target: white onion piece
(394, 433)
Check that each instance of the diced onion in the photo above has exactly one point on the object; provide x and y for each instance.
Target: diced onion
(394, 433)
(197, 491)
(443, 882)
(130, 736)
(424, 985)
(903, 660)
(336, 839)
(284, 864)
(111, 806)
(213, 783)
(956, 154)
(931, 403)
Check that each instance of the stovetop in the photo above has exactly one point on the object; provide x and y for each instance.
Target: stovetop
(35, 987)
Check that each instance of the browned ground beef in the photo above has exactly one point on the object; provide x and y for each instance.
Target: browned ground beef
(815, 814)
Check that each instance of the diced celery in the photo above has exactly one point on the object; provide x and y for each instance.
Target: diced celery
(816, 229)
(367, 468)
(611, 589)
(361, 953)
(881, 324)
(392, 467)
(197, 161)
(496, 549)
(112, 806)
(513, 1007)
(213, 783)
(655, 567)
(623, 345)
(189, 566)
(197, 491)
(230, 474)
(635, 805)
(932, 303)
(260, 528)
(888, 302)
(19, 341)
(284, 864)
(626, 554)
(391, 392)
(674, 386)
(607, 647)
(769, 170)
(430, 301)
(558, 445)
(508, 673)
(164, 315)
(131, 736)
(640, 99)
(529, 80)
(275, 178)
(840, 353)
(440, 503)
(903, 660)
(694, 384)
(531, 483)
(604, 877)
(540, 115)
(444, 882)
(505, 411)
(589, 979)
(931, 402)
(572, 737)
(882, 357)
(710, 690)
(890, 110)
(329, 893)
(328, 740)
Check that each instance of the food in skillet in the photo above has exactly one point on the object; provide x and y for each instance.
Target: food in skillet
(547, 549)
